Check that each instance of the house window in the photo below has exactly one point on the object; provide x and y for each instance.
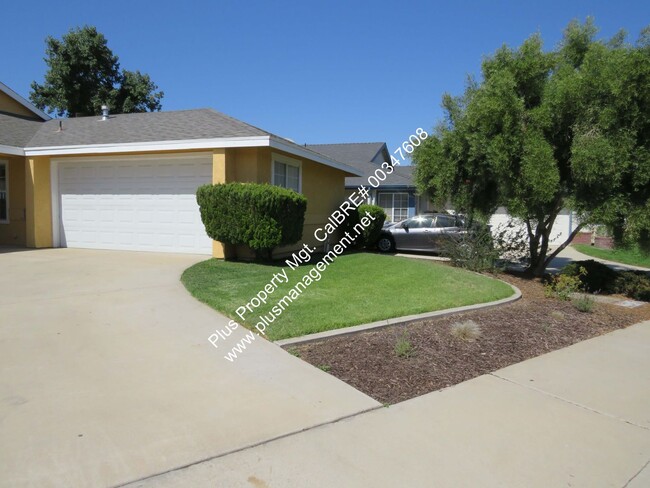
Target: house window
(396, 205)
(287, 173)
(4, 199)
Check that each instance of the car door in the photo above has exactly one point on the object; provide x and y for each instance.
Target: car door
(413, 234)
(444, 227)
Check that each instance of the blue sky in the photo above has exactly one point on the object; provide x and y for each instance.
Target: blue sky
(315, 72)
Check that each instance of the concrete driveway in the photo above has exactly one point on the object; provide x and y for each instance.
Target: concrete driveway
(107, 377)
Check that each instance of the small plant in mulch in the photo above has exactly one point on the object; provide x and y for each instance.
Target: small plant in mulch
(563, 286)
(325, 367)
(294, 351)
(584, 304)
(403, 347)
(558, 315)
(466, 331)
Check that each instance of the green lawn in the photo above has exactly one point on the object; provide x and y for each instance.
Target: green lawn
(626, 256)
(355, 289)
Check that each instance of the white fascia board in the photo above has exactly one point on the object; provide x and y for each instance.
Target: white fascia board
(11, 150)
(24, 102)
(129, 147)
(311, 155)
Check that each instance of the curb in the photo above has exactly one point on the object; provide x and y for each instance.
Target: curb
(356, 329)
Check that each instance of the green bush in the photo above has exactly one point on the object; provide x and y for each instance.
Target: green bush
(260, 216)
(563, 286)
(634, 284)
(371, 233)
(597, 277)
(472, 249)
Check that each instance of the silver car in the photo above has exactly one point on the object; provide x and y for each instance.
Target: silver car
(419, 233)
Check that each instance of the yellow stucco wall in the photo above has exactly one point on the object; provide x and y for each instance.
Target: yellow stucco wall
(13, 232)
(322, 185)
(8, 104)
(38, 197)
(324, 188)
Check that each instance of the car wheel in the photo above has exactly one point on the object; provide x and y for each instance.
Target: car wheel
(385, 244)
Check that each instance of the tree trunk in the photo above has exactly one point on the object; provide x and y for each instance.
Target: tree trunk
(538, 266)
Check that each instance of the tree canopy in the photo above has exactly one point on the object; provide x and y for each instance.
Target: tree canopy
(547, 130)
(84, 74)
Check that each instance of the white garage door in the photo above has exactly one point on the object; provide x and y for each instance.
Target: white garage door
(138, 204)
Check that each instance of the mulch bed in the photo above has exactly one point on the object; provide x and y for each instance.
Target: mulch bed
(531, 326)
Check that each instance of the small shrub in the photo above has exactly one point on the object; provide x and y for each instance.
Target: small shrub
(557, 314)
(634, 284)
(370, 234)
(511, 241)
(584, 304)
(260, 216)
(467, 331)
(562, 286)
(472, 249)
(403, 347)
(597, 277)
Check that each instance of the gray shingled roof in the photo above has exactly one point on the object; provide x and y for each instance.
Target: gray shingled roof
(142, 127)
(359, 156)
(16, 130)
(354, 152)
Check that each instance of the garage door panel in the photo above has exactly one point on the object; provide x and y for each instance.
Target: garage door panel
(143, 205)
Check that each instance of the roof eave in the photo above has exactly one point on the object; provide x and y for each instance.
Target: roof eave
(131, 147)
(301, 151)
(191, 144)
(24, 102)
(12, 150)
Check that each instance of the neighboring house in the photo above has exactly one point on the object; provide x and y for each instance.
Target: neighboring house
(128, 181)
(396, 195)
(564, 224)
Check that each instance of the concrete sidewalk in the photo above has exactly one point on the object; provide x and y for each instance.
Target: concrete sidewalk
(576, 417)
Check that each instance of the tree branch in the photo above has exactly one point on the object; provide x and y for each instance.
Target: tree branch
(561, 247)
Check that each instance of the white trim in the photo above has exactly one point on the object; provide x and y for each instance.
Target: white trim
(225, 142)
(12, 151)
(311, 155)
(186, 144)
(6, 165)
(56, 207)
(32, 108)
(287, 161)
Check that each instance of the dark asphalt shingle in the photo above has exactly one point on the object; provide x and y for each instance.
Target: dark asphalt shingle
(354, 152)
(359, 155)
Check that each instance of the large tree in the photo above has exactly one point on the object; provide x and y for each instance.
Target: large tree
(542, 131)
(84, 74)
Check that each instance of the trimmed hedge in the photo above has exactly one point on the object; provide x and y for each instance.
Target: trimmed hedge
(371, 233)
(261, 216)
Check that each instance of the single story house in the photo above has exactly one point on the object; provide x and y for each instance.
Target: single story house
(396, 195)
(128, 181)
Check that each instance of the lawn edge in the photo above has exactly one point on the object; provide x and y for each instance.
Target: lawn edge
(380, 324)
(609, 262)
